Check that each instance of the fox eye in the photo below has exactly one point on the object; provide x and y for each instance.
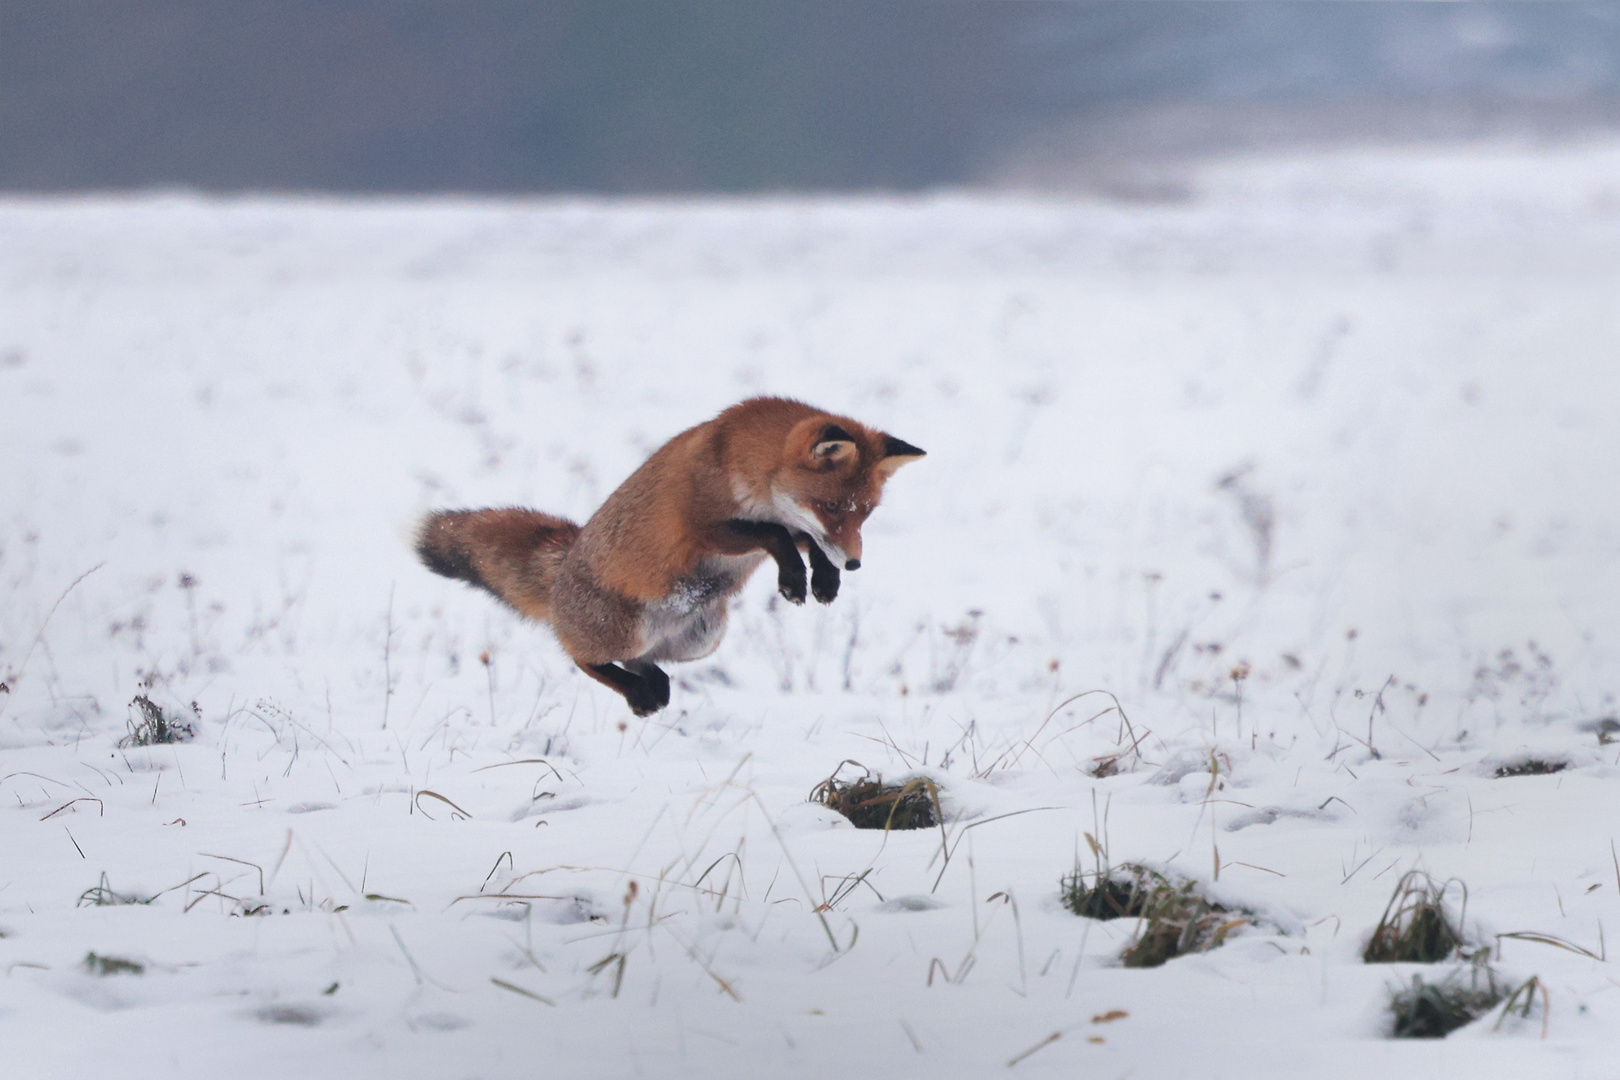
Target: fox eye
(828, 508)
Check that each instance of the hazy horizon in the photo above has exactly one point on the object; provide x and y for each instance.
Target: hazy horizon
(369, 96)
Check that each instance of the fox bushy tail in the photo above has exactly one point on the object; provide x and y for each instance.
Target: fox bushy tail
(510, 552)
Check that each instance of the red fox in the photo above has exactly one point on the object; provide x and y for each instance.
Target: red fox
(648, 578)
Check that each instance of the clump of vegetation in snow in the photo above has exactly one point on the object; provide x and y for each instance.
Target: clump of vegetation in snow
(1416, 927)
(869, 803)
(1108, 894)
(1176, 917)
(1432, 1010)
(1531, 767)
(154, 727)
(96, 964)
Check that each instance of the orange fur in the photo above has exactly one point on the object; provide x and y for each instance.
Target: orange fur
(647, 578)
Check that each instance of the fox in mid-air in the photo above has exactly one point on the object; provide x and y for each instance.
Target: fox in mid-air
(647, 579)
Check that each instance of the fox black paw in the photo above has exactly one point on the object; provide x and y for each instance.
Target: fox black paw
(646, 699)
(824, 582)
(792, 587)
(823, 573)
(644, 704)
(650, 692)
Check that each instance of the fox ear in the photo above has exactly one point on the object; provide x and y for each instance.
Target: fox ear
(897, 452)
(833, 447)
(899, 448)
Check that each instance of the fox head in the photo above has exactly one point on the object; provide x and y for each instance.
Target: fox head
(833, 476)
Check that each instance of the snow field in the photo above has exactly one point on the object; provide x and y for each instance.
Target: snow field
(1341, 426)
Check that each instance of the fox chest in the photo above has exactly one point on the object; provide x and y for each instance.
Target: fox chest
(691, 618)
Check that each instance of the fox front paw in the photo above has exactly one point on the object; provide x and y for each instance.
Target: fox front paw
(824, 577)
(792, 586)
(824, 581)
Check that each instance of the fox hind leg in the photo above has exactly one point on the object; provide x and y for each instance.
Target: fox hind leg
(644, 686)
(655, 680)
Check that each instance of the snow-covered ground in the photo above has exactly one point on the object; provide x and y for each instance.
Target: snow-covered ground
(1347, 422)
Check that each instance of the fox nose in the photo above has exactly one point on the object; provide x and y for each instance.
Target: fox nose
(852, 564)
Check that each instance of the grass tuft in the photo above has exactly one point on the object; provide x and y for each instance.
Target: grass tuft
(1532, 767)
(869, 803)
(112, 965)
(1523, 1001)
(102, 894)
(1108, 894)
(1416, 927)
(1432, 1010)
(154, 727)
(1176, 919)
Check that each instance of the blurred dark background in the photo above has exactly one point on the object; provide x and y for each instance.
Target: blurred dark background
(760, 95)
